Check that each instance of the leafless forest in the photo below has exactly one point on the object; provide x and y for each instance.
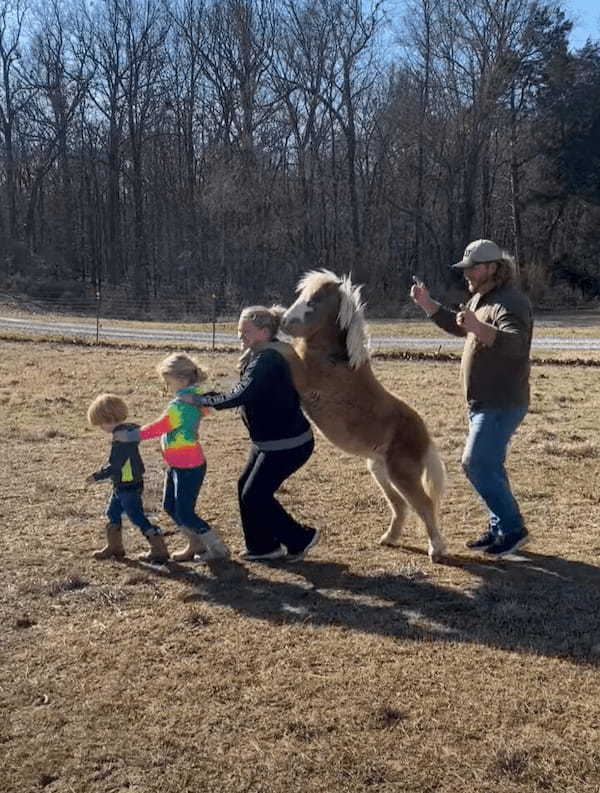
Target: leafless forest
(209, 151)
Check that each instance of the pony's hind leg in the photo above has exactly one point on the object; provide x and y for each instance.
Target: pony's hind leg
(378, 471)
(407, 479)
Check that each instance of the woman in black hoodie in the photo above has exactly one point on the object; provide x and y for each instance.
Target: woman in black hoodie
(281, 439)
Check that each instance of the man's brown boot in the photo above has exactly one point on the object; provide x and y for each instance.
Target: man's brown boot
(158, 550)
(114, 543)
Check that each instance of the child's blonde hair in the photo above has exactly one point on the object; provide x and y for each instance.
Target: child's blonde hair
(107, 409)
(182, 367)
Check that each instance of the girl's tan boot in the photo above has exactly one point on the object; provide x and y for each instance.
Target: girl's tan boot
(194, 546)
(158, 550)
(215, 547)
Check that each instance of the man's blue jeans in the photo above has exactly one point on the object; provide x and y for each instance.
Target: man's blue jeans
(490, 431)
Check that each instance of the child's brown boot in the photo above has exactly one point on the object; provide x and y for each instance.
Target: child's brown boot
(194, 546)
(114, 543)
(158, 550)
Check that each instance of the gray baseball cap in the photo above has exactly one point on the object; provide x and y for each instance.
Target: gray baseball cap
(478, 252)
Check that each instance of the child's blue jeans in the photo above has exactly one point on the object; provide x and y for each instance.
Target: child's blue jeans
(129, 501)
(182, 486)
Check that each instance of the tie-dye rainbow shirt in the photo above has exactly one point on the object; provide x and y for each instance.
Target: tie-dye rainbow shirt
(178, 430)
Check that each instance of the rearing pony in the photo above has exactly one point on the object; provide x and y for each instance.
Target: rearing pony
(339, 392)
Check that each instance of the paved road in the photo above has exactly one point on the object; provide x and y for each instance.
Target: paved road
(88, 330)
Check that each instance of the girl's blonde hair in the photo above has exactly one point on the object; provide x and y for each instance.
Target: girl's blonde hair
(182, 367)
(107, 409)
(263, 317)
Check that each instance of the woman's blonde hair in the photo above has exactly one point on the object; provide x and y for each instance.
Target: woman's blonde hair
(263, 317)
(107, 409)
(182, 367)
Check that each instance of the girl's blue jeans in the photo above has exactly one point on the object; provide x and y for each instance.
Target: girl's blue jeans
(490, 431)
(182, 486)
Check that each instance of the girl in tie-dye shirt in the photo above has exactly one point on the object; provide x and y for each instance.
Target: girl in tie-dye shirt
(181, 449)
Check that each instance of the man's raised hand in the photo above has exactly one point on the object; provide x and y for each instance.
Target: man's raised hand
(419, 292)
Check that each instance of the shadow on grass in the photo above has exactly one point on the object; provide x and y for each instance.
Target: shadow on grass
(542, 604)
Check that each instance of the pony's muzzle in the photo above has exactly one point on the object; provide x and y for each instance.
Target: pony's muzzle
(290, 324)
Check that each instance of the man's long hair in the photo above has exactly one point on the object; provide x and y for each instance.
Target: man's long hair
(506, 271)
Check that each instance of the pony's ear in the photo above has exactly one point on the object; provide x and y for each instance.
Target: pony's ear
(351, 319)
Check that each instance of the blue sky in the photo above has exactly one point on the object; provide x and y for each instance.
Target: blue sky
(586, 17)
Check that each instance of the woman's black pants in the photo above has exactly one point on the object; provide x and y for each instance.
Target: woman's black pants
(265, 522)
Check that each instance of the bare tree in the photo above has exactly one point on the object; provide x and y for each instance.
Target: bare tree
(299, 81)
(15, 96)
(187, 43)
(60, 71)
(107, 97)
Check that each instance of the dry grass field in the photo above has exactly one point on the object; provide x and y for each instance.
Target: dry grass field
(362, 668)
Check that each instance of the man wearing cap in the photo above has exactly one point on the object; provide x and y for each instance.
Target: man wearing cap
(497, 323)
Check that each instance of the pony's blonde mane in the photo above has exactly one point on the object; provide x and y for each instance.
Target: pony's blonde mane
(351, 316)
(314, 279)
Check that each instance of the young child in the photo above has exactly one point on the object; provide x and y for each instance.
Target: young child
(126, 469)
(178, 431)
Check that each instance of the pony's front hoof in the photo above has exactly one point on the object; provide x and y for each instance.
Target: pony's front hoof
(389, 539)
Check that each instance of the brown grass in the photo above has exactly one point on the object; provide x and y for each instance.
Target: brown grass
(361, 669)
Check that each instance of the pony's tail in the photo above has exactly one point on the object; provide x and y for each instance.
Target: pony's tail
(434, 478)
